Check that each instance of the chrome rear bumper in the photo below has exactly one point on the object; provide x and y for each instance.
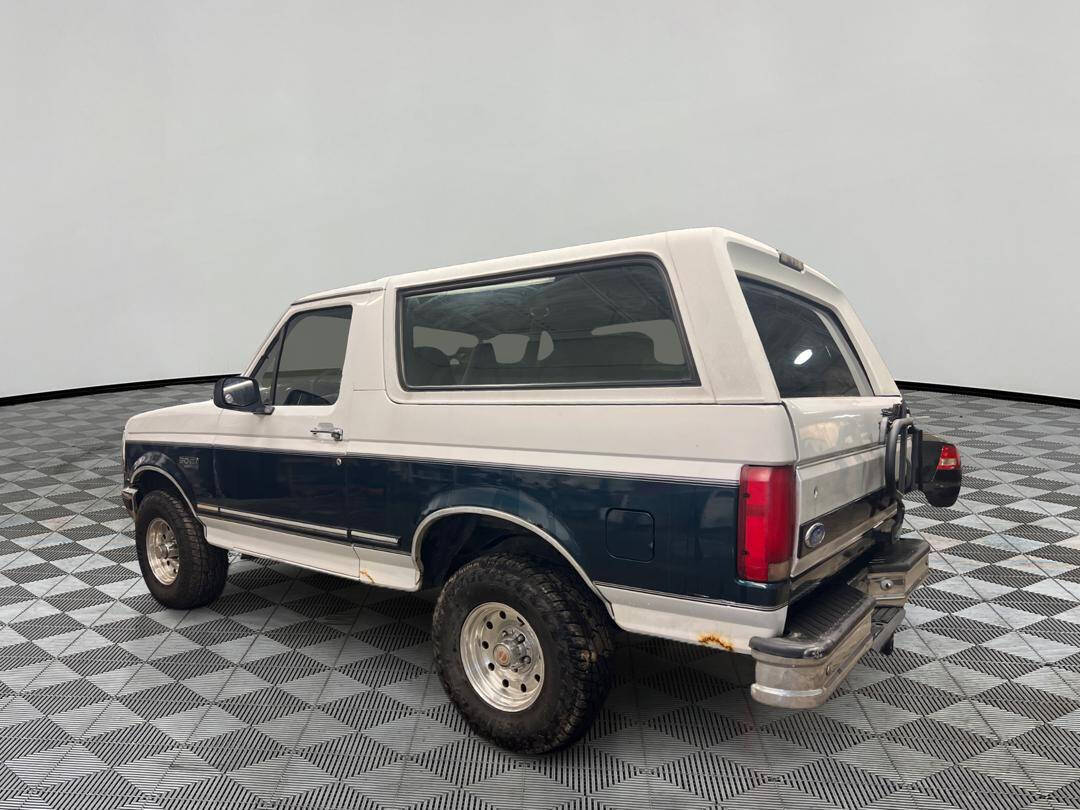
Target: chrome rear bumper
(828, 632)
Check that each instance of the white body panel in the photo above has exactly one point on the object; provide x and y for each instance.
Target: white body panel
(195, 422)
(694, 621)
(711, 443)
(841, 450)
(368, 565)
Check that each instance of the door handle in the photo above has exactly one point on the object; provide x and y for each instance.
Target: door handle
(326, 427)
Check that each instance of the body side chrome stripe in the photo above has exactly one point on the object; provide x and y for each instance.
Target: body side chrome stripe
(285, 522)
(637, 596)
(335, 532)
(616, 599)
(374, 537)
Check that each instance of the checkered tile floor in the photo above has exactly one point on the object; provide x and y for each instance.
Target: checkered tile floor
(302, 690)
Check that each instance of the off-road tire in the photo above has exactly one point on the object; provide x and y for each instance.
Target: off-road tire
(203, 568)
(941, 501)
(575, 634)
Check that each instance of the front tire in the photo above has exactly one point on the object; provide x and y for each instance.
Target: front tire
(523, 650)
(181, 570)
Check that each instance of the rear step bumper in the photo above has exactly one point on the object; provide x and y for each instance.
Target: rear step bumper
(828, 632)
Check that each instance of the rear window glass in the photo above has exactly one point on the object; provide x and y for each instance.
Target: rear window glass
(808, 351)
(594, 326)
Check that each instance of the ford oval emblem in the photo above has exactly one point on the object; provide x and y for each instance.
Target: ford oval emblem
(815, 535)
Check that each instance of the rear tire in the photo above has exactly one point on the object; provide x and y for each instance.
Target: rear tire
(565, 634)
(181, 570)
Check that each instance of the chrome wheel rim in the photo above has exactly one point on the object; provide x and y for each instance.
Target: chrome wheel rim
(502, 657)
(162, 551)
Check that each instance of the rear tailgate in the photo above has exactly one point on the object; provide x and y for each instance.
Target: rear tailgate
(840, 474)
(837, 407)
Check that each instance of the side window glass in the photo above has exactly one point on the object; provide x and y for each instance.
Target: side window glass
(312, 357)
(264, 371)
(596, 326)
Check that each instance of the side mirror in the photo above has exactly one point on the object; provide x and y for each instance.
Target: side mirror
(240, 394)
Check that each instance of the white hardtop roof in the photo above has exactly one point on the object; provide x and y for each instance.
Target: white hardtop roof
(644, 244)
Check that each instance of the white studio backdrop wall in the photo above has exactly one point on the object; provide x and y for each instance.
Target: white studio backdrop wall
(172, 175)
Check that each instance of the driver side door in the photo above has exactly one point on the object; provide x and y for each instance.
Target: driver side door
(279, 478)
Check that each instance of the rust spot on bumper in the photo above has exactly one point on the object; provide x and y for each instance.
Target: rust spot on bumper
(713, 640)
(366, 577)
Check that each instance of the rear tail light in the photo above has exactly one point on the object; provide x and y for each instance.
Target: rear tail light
(949, 458)
(766, 523)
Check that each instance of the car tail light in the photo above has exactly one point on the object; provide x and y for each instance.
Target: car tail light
(949, 458)
(766, 522)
